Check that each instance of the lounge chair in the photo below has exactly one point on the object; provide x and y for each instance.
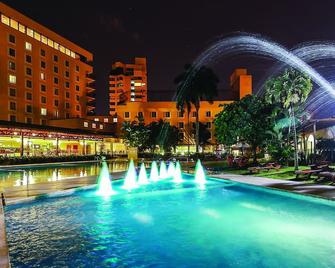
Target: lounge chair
(306, 173)
(326, 175)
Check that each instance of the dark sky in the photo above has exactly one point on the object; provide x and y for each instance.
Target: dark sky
(172, 33)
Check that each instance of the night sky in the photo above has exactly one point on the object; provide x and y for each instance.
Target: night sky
(172, 33)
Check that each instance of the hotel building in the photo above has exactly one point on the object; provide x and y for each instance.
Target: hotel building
(43, 75)
(127, 83)
(46, 93)
(125, 108)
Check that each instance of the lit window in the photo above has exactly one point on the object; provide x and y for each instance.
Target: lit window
(73, 55)
(85, 124)
(94, 125)
(22, 28)
(44, 39)
(101, 127)
(67, 51)
(43, 111)
(37, 36)
(29, 46)
(50, 43)
(56, 45)
(115, 119)
(62, 49)
(14, 24)
(12, 79)
(42, 76)
(167, 114)
(30, 32)
(4, 19)
(96, 119)
(106, 120)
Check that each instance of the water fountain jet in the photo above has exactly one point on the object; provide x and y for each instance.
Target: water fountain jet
(154, 175)
(142, 177)
(177, 177)
(104, 182)
(130, 181)
(199, 176)
(162, 170)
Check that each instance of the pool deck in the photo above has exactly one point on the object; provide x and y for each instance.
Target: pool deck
(4, 252)
(302, 187)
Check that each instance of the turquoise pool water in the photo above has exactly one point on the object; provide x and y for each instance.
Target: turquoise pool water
(168, 225)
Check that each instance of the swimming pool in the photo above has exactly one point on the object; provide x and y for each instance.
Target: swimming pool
(174, 225)
(27, 175)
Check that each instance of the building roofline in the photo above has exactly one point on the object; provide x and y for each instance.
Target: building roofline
(9, 11)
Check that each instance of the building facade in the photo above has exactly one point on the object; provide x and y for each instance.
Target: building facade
(129, 109)
(127, 83)
(43, 75)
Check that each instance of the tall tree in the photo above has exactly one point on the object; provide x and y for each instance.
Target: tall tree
(193, 86)
(135, 134)
(248, 120)
(289, 90)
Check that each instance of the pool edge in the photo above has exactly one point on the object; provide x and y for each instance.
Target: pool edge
(4, 250)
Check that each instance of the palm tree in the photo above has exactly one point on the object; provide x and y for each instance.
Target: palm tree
(193, 86)
(289, 90)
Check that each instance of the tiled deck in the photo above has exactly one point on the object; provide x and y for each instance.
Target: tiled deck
(324, 191)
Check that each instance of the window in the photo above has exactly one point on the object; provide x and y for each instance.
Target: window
(12, 92)
(43, 99)
(12, 79)
(208, 125)
(11, 65)
(55, 80)
(55, 58)
(77, 88)
(11, 52)
(77, 68)
(180, 114)
(12, 105)
(101, 126)
(29, 108)
(106, 120)
(67, 64)
(77, 108)
(67, 105)
(28, 71)
(56, 103)
(56, 91)
(29, 96)
(42, 52)
(77, 78)
(67, 84)
(115, 119)
(28, 59)
(77, 98)
(56, 69)
(43, 122)
(43, 88)
(29, 84)
(140, 114)
(28, 46)
(43, 64)
(153, 114)
(43, 111)
(37, 36)
(4, 19)
(22, 28)
(181, 124)
(30, 32)
(85, 124)
(67, 74)
(181, 135)
(11, 39)
(42, 76)
(167, 114)
(94, 125)
(12, 118)
(44, 39)
(29, 120)
(14, 24)
(208, 114)
(67, 94)
(194, 114)
(126, 114)
(67, 115)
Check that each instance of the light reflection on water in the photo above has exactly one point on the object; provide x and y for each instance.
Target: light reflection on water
(50, 173)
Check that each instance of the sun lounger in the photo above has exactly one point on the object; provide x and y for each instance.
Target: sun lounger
(326, 175)
(307, 173)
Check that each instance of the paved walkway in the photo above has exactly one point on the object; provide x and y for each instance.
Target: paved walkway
(325, 191)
